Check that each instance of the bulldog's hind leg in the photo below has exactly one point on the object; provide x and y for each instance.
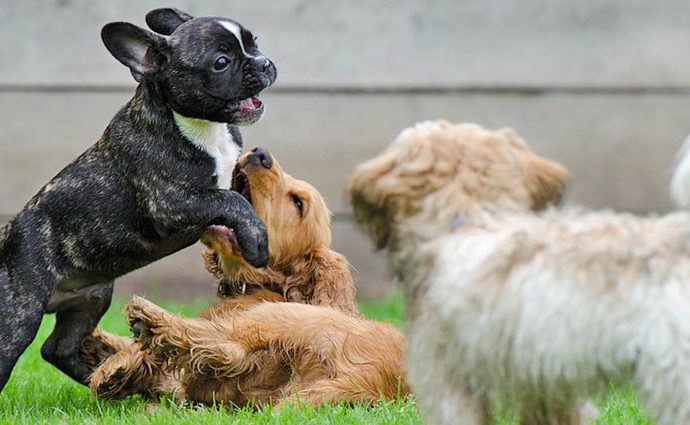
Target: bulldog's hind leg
(75, 320)
(20, 317)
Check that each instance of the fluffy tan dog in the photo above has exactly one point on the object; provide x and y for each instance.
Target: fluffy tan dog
(250, 347)
(532, 312)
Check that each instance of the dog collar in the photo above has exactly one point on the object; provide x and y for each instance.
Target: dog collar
(457, 222)
(228, 288)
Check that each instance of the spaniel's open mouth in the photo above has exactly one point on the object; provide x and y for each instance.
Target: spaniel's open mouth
(220, 239)
(240, 183)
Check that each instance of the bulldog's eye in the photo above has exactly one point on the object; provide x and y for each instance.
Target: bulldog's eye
(221, 63)
(298, 204)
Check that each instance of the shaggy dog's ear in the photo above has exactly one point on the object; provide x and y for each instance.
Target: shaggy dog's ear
(547, 182)
(545, 178)
(323, 278)
(371, 197)
(372, 218)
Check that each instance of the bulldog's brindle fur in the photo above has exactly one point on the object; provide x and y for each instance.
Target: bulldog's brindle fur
(146, 189)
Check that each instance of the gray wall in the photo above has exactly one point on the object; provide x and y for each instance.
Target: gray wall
(601, 85)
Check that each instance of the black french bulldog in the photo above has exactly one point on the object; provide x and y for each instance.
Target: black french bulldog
(157, 177)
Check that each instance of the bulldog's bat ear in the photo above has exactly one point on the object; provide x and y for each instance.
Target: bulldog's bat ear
(142, 51)
(166, 20)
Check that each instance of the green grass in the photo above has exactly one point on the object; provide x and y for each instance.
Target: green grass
(37, 393)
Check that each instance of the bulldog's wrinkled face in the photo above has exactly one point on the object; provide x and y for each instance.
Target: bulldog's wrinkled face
(208, 68)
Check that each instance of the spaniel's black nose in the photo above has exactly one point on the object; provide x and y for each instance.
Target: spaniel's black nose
(260, 156)
(137, 327)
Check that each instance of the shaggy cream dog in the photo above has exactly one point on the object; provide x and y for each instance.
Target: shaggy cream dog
(532, 312)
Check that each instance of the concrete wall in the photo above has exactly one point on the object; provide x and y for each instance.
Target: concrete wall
(601, 85)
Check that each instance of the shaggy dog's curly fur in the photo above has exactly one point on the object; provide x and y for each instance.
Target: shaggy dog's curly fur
(252, 347)
(532, 312)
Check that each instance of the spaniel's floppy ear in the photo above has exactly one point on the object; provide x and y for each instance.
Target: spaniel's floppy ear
(325, 279)
(547, 182)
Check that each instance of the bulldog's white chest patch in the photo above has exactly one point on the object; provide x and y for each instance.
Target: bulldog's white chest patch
(214, 139)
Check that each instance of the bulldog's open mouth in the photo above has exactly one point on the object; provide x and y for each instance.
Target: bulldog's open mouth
(248, 111)
(240, 183)
(251, 104)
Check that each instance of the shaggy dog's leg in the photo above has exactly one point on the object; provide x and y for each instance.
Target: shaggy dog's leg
(456, 405)
(442, 396)
(661, 379)
(542, 412)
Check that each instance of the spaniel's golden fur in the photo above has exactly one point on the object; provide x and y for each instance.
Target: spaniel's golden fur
(253, 346)
(534, 312)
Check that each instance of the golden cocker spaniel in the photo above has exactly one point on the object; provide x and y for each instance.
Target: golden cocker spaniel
(291, 331)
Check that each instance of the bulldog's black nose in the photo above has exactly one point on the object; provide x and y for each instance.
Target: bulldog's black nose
(260, 156)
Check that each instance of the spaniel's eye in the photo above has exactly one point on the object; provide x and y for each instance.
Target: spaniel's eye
(298, 203)
(221, 63)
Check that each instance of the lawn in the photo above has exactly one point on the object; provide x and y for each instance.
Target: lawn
(38, 393)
